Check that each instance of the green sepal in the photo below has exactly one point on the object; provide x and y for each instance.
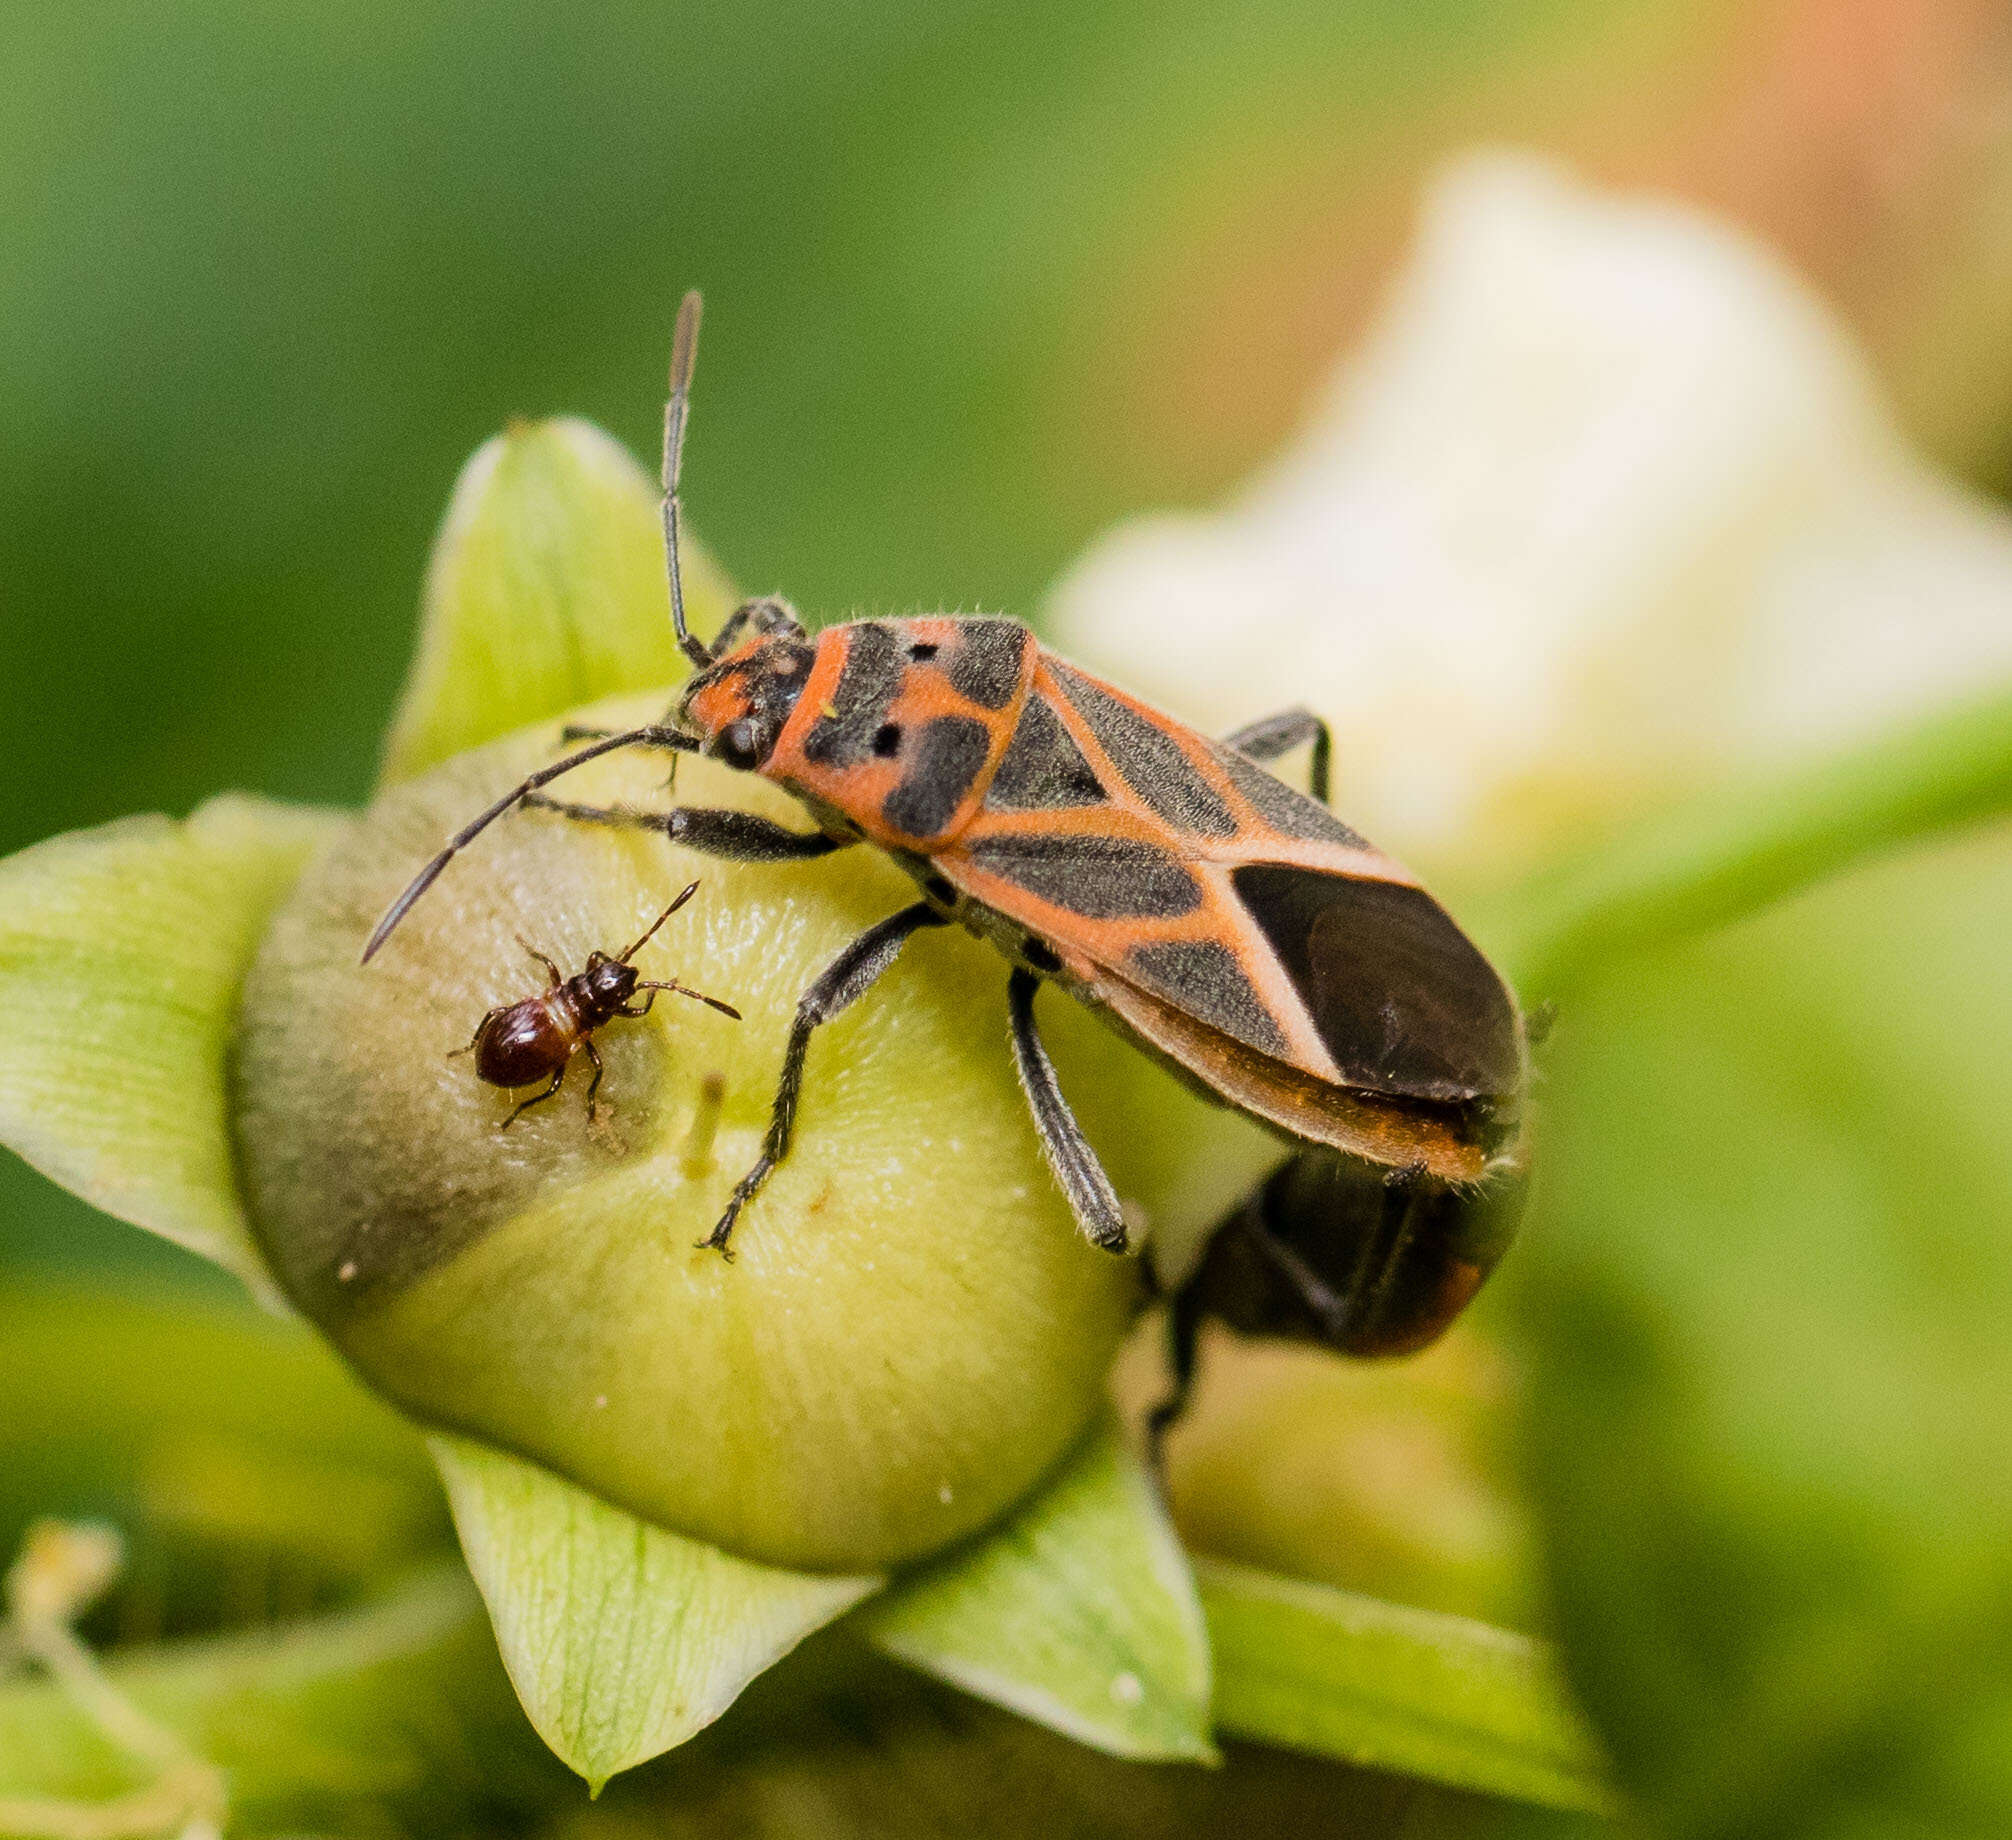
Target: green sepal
(622, 1639)
(1396, 1688)
(546, 590)
(1079, 1612)
(122, 950)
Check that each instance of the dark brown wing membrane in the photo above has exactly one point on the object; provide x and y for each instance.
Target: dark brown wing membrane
(1403, 1000)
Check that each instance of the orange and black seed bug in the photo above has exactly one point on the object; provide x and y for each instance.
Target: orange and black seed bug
(518, 1044)
(1228, 923)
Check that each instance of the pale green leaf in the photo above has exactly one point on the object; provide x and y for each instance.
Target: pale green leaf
(547, 590)
(1079, 1612)
(621, 1638)
(121, 953)
(1417, 1691)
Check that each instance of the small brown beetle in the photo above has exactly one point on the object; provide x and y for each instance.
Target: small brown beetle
(519, 1043)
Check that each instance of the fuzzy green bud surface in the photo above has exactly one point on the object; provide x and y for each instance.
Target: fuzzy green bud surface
(912, 1330)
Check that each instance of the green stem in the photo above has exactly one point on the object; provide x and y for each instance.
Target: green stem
(1724, 856)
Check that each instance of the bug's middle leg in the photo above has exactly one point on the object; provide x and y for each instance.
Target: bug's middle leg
(841, 984)
(1272, 736)
(1076, 1166)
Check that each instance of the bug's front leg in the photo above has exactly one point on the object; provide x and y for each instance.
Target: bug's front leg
(842, 983)
(576, 732)
(1280, 734)
(1076, 1166)
(738, 836)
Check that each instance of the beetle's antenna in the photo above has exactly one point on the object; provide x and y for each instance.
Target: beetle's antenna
(622, 958)
(654, 734)
(685, 990)
(684, 349)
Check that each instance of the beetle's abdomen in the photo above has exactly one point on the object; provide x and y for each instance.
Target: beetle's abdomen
(529, 1041)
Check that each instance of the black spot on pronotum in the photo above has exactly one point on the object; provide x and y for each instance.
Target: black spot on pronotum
(1101, 878)
(1042, 767)
(986, 660)
(922, 650)
(1404, 1001)
(946, 758)
(1154, 764)
(1202, 977)
(867, 686)
(887, 741)
(1283, 807)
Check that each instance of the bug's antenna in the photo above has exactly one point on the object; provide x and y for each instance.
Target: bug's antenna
(654, 735)
(622, 958)
(684, 349)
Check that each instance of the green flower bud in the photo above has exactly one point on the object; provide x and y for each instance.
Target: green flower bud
(912, 1330)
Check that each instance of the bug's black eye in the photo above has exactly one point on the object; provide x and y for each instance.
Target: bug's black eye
(740, 744)
(887, 742)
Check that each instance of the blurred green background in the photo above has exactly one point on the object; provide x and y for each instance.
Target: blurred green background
(980, 279)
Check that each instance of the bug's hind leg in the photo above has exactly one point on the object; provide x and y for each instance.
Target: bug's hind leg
(1076, 1166)
(1280, 734)
(841, 984)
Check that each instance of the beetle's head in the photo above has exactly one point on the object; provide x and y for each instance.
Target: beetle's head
(737, 705)
(609, 980)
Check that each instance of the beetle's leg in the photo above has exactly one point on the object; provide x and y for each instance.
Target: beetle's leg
(739, 836)
(551, 970)
(538, 1098)
(1077, 1170)
(841, 983)
(1185, 1311)
(593, 1085)
(499, 1010)
(1280, 734)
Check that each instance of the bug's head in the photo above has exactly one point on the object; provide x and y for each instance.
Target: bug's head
(609, 980)
(737, 705)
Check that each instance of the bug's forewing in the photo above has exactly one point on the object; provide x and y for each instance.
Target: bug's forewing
(1242, 931)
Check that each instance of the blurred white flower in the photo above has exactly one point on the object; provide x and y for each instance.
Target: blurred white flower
(1606, 505)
